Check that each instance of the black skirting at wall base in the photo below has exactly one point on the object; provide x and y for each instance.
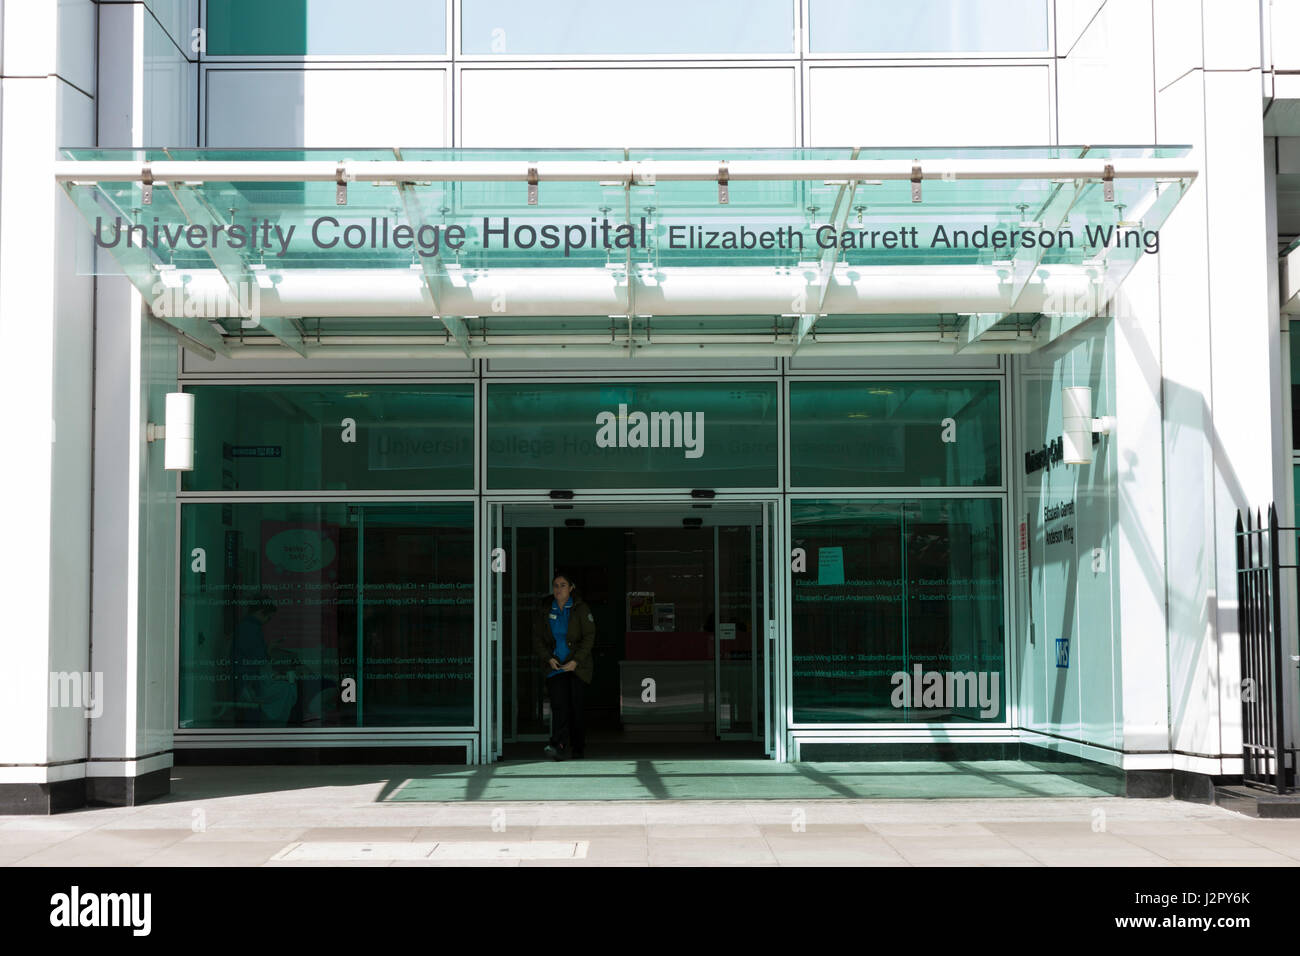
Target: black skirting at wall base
(324, 756)
(1194, 787)
(42, 798)
(128, 791)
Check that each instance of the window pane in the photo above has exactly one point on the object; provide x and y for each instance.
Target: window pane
(895, 434)
(318, 438)
(320, 27)
(643, 435)
(1294, 337)
(280, 601)
(898, 615)
(927, 26)
(589, 26)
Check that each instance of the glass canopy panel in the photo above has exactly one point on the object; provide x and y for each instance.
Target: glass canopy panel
(791, 254)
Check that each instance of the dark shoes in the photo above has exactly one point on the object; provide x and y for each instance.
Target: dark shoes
(555, 753)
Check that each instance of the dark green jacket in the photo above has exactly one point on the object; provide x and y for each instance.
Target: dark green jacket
(581, 637)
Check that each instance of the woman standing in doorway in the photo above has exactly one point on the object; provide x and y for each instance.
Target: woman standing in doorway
(564, 633)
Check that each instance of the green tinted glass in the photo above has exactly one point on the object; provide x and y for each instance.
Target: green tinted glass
(326, 615)
(325, 27)
(895, 434)
(643, 435)
(898, 614)
(320, 438)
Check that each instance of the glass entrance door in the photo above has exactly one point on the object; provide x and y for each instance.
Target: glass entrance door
(681, 597)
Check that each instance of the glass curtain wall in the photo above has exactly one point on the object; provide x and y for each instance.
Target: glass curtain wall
(302, 613)
(297, 614)
(897, 598)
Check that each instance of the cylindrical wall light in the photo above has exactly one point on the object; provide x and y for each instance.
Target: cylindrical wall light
(178, 441)
(1078, 425)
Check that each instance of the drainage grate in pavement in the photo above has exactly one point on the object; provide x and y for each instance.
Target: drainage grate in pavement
(475, 850)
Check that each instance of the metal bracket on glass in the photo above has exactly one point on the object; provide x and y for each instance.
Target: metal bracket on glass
(916, 182)
(532, 185)
(724, 178)
(1108, 183)
(340, 187)
(146, 185)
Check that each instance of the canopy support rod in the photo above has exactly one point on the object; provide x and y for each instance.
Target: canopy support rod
(838, 219)
(244, 289)
(631, 275)
(434, 271)
(138, 267)
(1064, 313)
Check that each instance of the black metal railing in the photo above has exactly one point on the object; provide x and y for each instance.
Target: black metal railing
(1268, 762)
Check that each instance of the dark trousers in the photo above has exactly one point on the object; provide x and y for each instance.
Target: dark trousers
(568, 729)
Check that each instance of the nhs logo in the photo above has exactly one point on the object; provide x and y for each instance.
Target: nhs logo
(1062, 652)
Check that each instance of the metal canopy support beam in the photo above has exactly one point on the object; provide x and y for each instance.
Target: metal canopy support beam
(434, 271)
(1053, 327)
(974, 327)
(1026, 261)
(236, 272)
(1290, 281)
(139, 270)
(1055, 211)
(633, 171)
(1064, 313)
(826, 267)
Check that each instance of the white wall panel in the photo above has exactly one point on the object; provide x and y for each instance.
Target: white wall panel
(31, 38)
(170, 90)
(1284, 31)
(70, 488)
(1138, 552)
(1177, 32)
(1105, 90)
(30, 731)
(178, 18)
(1189, 503)
(930, 106)
(666, 107)
(1072, 19)
(1247, 411)
(76, 52)
(325, 107)
(1232, 34)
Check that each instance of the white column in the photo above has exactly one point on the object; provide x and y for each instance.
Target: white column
(45, 376)
(1221, 357)
(135, 502)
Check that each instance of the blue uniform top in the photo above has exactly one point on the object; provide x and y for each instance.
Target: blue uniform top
(560, 630)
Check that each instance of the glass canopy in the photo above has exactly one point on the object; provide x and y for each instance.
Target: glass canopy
(624, 252)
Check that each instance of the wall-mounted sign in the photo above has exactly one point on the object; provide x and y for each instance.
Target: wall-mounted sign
(252, 451)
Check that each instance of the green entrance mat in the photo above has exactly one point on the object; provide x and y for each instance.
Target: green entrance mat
(649, 779)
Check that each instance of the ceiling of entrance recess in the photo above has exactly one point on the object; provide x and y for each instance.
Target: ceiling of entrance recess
(607, 253)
